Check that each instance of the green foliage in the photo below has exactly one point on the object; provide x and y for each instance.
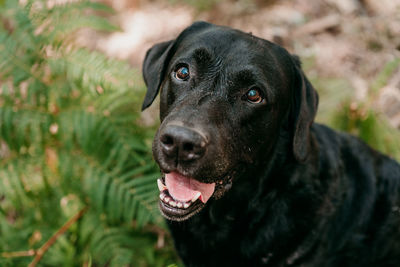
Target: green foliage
(364, 120)
(70, 137)
(338, 108)
(332, 92)
(383, 77)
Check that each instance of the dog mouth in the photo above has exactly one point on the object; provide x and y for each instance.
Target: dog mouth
(182, 197)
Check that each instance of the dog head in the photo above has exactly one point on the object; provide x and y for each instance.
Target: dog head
(225, 98)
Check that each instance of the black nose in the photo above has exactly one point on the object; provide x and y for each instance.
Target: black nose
(182, 144)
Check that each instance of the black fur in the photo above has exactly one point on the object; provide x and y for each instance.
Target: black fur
(293, 193)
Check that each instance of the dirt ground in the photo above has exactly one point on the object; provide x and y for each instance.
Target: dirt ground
(347, 39)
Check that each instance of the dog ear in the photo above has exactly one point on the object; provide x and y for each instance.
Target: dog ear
(154, 68)
(304, 111)
(157, 59)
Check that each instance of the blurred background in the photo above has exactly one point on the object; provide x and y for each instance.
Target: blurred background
(77, 179)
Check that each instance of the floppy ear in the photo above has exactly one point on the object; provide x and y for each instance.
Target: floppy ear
(303, 113)
(154, 67)
(157, 59)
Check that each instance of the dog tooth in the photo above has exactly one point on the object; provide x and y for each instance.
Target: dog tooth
(162, 196)
(198, 194)
(201, 199)
(186, 205)
(179, 205)
(172, 203)
(167, 199)
(161, 186)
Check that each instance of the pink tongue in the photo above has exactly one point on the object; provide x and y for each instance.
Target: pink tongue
(184, 189)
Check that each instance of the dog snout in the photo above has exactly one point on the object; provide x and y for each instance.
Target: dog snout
(182, 144)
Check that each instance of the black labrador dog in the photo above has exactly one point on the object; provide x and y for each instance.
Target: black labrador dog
(248, 178)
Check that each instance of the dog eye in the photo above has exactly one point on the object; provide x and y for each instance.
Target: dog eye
(254, 95)
(182, 73)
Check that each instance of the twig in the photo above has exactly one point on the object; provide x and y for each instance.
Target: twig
(42, 250)
(16, 254)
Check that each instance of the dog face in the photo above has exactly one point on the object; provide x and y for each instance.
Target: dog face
(226, 98)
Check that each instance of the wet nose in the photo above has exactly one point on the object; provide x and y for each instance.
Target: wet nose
(182, 144)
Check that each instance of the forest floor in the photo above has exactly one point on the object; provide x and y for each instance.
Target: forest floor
(346, 45)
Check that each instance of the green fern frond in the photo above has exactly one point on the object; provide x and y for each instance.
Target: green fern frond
(24, 129)
(126, 198)
(12, 187)
(93, 69)
(70, 137)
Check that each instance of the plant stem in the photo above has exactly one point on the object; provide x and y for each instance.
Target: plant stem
(42, 250)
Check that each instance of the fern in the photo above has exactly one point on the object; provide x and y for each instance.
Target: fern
(70, 137)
